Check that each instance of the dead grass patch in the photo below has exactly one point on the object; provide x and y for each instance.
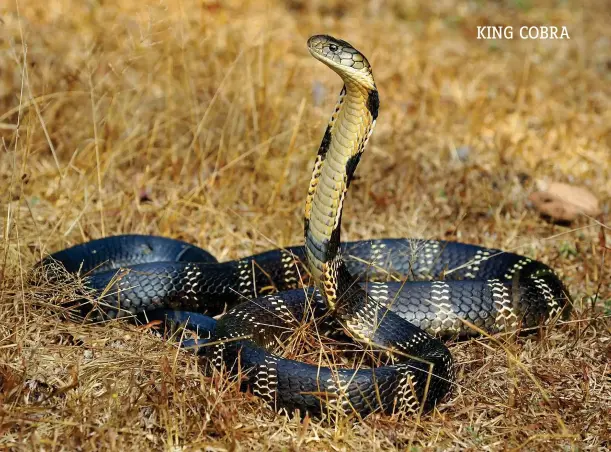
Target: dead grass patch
(198, 120)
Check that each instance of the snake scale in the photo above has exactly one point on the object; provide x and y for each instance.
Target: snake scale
(396, 295)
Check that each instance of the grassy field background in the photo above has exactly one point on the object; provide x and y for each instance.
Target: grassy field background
(199, 120)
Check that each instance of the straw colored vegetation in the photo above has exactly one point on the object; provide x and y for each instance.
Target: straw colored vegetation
(199, 120)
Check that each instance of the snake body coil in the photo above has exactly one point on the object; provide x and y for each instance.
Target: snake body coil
(355, 285)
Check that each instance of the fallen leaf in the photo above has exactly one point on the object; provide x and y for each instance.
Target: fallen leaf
(564, 202)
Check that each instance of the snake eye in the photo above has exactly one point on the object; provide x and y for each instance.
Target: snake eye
(333, 47)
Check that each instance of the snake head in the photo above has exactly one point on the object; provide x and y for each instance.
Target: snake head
(350, 64)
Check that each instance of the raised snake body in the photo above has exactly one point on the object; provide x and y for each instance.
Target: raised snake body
(482, 288)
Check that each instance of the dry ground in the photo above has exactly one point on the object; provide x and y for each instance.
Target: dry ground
(199, 120)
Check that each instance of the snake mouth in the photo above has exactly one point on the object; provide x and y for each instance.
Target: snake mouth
(316, 46)
(313, 41)
(330, 49)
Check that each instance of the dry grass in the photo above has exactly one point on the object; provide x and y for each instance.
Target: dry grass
(199, 120)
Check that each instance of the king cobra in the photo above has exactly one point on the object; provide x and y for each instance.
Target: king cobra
(394, 296)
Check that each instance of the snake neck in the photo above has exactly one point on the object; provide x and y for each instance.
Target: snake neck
(344, 142)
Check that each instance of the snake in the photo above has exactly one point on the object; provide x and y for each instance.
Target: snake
(397, 298)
